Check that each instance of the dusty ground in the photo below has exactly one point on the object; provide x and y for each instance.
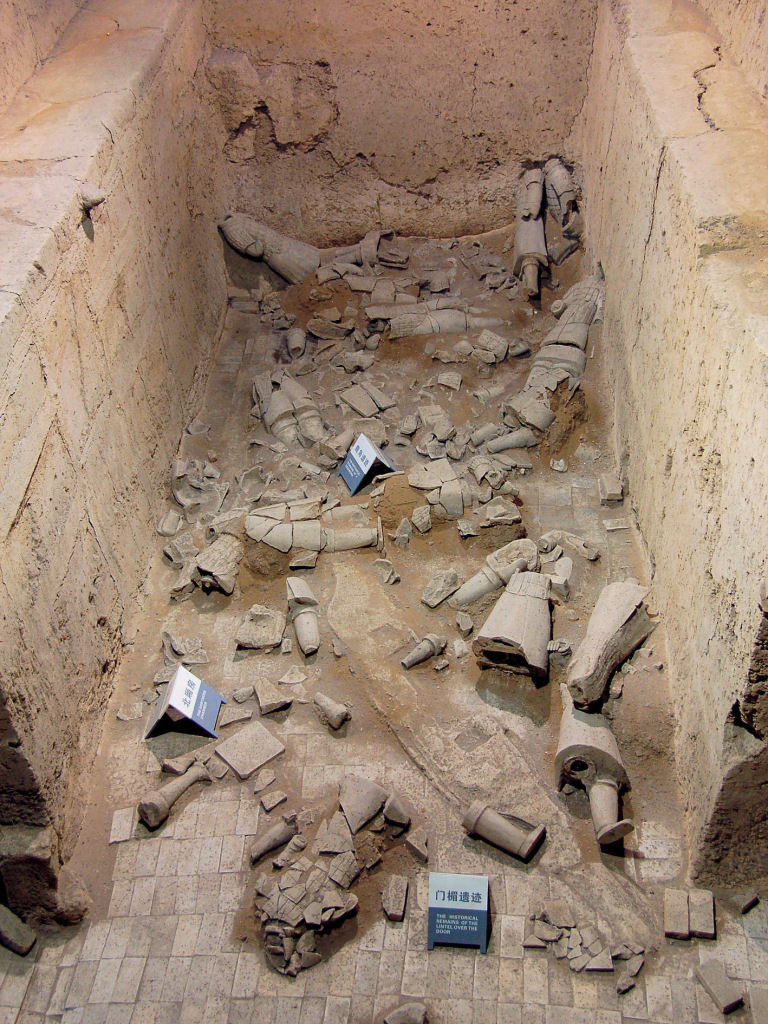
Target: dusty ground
(424, 703)
(443, 739)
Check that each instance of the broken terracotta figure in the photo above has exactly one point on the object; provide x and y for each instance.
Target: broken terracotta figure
(288, 257)
(155, 807)
(588, 756)
(303, 612)
(505, 831)
(515, 635)
(530, 253)
(287, 410)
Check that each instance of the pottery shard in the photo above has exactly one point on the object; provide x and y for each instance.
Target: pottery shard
(404, 533)
(601, 962)
(394, 896)
(559, 913)
(452, 499)
(395, 813)
(218, 566)
(330, 711)
(17, 936)
(265, 778)
(418, 843)
(434, 475)
(421, 518)
(359, 401)
(273, 799)
(270, 698)
(230, 716)
(360, 800)
(344, 869)
(494, 344)
(617, 626)
(334, 836)
(181, 550)
(516, 633)
(249, 749)
(261, 628)
(546, 932)
(441, 586)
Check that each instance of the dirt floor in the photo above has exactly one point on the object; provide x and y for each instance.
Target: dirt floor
(449, 736)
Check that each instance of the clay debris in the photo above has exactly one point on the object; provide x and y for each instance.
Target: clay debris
(311, 894)
(515, 635)
(588, 756)
(261, 628)
(617, 626)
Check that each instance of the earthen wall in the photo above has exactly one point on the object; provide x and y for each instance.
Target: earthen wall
(675, 153)
(28, 30)
(106, 324)
(337, 116)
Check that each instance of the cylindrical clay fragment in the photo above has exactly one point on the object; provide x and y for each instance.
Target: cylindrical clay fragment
(155, 807)
(483, 821)
(330, 711)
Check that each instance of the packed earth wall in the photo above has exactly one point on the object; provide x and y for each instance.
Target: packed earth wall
(107, 319)
(334, 117)
(28, 30)
(675, 154)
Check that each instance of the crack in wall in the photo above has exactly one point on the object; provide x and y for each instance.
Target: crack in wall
(659, 169)
(703, 86)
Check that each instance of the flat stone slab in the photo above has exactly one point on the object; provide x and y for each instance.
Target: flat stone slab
(719, 987)
(394, 897)
(701, 914)
(676, 920)
(123, 824)
(14, 933)
(249, 749)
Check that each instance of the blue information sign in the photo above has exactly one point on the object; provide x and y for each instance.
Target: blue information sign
(188, 697)
(362, 463)
(458, 910)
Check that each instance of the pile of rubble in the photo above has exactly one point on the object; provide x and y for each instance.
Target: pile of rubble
(308, 893)
(288, 506)
(582, 947)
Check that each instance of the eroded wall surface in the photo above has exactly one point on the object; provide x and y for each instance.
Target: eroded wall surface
(28, 30)
(104, 326)
(335, 117)
(743, 28)
(675, 151)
